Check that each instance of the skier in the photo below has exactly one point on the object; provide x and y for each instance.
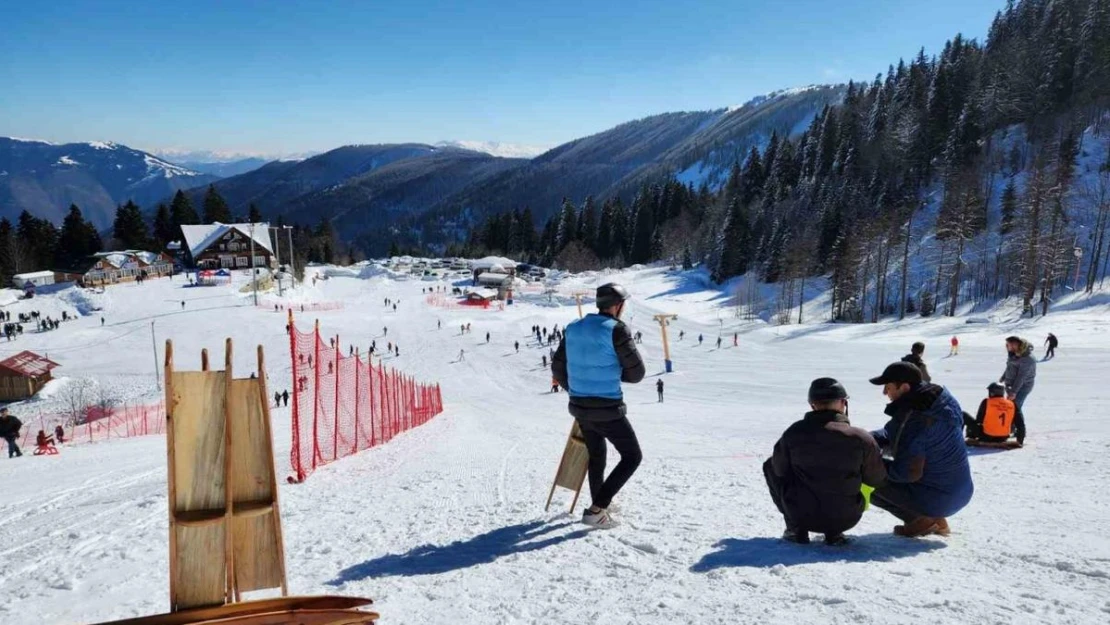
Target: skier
(735, 339)
(818, 466)
(516, 344)
(659, 389)
(700, 339)
(9, 431)
(1021, 370)
(462, 328)
(1052, 342)
(543, 361)
(681, 334)
(385, 331)
(397, 351)
(439, 325)
(285, 397)
(395, 308)
(595, 356)
(462, 355)
(718, 342)
(487, 337)
(929, 478)
(914, 357)
(997, 419)
(955, 351)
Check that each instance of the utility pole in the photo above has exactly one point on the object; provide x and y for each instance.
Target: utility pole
(663, 320)
(292, 257)
(254, 275)
(277, 257)
(154, 345)
(578, 300)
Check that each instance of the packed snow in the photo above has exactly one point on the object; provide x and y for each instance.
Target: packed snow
(446, 522)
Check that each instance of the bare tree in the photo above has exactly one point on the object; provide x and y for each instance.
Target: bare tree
(76, 397)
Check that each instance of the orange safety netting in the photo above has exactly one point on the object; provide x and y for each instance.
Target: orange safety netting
(342, 405)
(96, 423)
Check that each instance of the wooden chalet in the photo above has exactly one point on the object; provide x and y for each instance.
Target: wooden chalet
(23, 375)
(227, 246)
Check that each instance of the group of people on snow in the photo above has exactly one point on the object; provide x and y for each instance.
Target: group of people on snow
(915, 467)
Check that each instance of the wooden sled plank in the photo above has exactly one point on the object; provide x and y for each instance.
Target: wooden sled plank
(340, 610)
(573, 466)
(974, 442)
(198, 486)
(254, 535)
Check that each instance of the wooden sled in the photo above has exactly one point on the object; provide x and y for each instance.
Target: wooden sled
(974, 442)
(283, 611)
(572, 467)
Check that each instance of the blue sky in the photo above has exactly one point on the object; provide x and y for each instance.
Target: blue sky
(281, 77)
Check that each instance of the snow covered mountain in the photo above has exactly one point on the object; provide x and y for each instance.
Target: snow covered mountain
(45, 178)
(496, 148)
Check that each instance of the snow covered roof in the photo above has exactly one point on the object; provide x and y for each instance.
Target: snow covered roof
(28, 364)
(115, 259)
(32, 275)
(490, 262)
(199, 237)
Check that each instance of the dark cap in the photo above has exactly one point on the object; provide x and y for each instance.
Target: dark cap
(826, 389)
(994, 389)
(917, 347)
(609, 295)
(899, 372)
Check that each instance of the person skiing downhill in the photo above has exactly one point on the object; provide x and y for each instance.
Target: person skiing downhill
(955, 351)
(718, 342)
(596, 354)
(1052, 342)
(659, 389)
(700, 339)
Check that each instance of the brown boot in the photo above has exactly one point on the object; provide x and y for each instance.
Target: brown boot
(921, 526)
(942, 527)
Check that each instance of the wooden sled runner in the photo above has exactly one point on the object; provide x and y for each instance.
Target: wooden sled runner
(974, 442)
(572, 467)
(225, 526)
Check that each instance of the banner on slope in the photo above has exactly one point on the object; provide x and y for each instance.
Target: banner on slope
(343, 405)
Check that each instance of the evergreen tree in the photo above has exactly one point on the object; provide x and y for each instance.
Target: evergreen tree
(687, 258)
(182, 212)
(587, 224)
(77, 241)
(603, 243)
(734, 255)
(164, 228)
(1009, 208)
(657, 250)
(643, 229)
(130, 228)
(39, 239)
(568, 226)
(215, 208)
(253, 214)
(393, 249)
(10, 261)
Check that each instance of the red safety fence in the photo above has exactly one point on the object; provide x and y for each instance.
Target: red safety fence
(439, 300)
(96, 423)
(342, 405)
(301, 306)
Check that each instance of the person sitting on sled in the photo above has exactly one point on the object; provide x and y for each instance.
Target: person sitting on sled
(42, 440)
(997, 419)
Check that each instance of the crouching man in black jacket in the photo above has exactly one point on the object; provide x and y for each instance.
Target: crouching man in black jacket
(596, 354)
(818, 466)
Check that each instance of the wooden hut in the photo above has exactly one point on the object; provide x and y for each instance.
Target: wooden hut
(23, 375)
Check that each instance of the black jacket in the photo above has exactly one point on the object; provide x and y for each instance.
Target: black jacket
(9, 428)
(916, 360)
(822, 460)
(599, 408)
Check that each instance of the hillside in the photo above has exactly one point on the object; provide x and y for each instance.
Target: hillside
(44, 179)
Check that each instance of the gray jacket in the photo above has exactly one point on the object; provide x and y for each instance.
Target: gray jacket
(1021, 370)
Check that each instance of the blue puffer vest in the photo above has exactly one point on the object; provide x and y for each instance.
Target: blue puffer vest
(593, 369)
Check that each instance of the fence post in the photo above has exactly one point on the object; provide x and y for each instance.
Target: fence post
(370, 387)
(358, 380)
(316, 396)
(295, 424)
(335, 429)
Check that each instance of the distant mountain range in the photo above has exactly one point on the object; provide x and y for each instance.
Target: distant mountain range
(411, 193)
(45, 178)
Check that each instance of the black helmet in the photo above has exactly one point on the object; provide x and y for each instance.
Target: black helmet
(826, 389)
(609, 295)
(994, 389)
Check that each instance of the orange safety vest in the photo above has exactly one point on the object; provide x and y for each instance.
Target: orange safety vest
(999, 417)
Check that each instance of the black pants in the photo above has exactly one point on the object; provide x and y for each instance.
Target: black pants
(13, 447)
(895, 499)
(660, 395)
(974, 430)
(623, 438)
(1051, 353)
(776, 485)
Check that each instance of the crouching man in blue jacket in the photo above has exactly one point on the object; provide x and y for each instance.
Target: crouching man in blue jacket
(928, 477)
(596, 354)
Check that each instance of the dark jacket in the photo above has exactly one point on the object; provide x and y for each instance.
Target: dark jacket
(822, 460)
(1021, 370)
(9, 427)
(916, 360)
(925, 438)
(612, 360)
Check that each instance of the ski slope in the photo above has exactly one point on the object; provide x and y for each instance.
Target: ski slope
(445, 524)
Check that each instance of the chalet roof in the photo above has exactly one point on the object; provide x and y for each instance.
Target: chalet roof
(28, 364)
(201, 236)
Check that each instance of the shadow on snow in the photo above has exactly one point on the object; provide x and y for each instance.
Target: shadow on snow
(461, 554)
(764, 552)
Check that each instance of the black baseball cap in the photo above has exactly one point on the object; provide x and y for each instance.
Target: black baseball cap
(899, 373)
(826, 389)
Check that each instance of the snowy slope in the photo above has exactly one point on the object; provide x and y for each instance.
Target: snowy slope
(446, 523)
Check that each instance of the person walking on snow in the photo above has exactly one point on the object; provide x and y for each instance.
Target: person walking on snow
(700, 339)
(543, 361)
(914, 358)
(596, 354)
(955, 351)
(60, 434)
(681, 334)
(9, 431)
(818, 467)
(718, 342)
(462, 355)
(659, 389)
(487, 337)
(285, 397)
(735, 339)
(516, 345)
(1021, 370)
(929, 478)
(277, 399)
(1052, 342)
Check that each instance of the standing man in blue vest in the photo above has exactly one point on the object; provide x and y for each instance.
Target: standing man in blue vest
(596, 354)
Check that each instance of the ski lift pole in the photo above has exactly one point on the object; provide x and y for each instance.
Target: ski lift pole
(663, 320)
(578, 300)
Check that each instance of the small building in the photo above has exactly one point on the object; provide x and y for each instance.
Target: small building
(34, 278)
(121, 266)
(493, 264)
(227, 246)
(23, 375)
